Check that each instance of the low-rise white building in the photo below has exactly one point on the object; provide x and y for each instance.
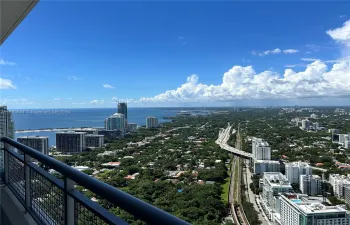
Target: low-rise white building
(310, 184)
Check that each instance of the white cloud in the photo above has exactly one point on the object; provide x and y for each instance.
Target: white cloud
(6, 84)
(79, 103)
(314, 48)
(74, 78)
(57, 99)
(108, 86)
(97, 102)
(291, 66)
(290, 51)
(15, 101)
(309, 59)
(341, 34)
(6, 63)
(245, 83)
(275, 52)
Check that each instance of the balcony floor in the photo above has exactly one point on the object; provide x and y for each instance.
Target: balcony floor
(12, 212)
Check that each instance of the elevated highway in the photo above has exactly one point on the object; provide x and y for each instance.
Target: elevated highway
(224, 136)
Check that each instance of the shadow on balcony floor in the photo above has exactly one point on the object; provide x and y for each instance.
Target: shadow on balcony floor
(12, 212)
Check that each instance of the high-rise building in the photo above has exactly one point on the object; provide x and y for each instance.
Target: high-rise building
(295, 169)
(36, 142)
(70, 142)
(261, 149)
(94, 140)
(338, 183)
(123, 109)
(298, 210)
(6, 124)
(305, 124)
(151, 122)
(116, 122)
(310, 184)
(316, 125)
(273, 185)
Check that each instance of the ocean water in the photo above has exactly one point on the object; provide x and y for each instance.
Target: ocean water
(66, 118)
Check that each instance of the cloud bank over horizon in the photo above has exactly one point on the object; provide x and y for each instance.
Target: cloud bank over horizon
(243, 83)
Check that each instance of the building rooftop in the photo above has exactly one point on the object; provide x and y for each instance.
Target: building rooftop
(277, 179)
(298, 164)
(70, 132)
(33, 137)
(267, 161)
(311, 206)
(94, 135)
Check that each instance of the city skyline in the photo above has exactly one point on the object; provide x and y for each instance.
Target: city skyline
(172, 54)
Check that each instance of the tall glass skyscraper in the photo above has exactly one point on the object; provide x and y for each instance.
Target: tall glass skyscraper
(123, 109)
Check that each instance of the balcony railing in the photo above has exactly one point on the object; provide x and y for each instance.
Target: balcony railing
(50, 200)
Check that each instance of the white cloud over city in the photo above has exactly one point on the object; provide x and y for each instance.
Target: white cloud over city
(15, 101)
(6, 63)
(97, 102)
(318, 79)
(74, 78)
(275, 52)
(108, 86)
(6, 84)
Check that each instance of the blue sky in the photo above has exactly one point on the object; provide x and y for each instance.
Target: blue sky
(88, 54)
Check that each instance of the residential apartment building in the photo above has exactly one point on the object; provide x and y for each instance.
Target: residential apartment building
(295, 169)
(338, 183)
(38, 143)
(305, 124)
(70, 142)
(310, 184)
(261, 166)
(94, 140)
(6, 124)
(261, 149)
(151, 122)
(132, 127)
(346, 194)
(273, 184)
(303, 210)
(111, 134)
(116, 122)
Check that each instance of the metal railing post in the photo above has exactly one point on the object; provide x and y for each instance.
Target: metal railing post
(68, 202)
(27, 183)
(6, 163)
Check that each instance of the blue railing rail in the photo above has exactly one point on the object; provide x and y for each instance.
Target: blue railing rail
(138, 208)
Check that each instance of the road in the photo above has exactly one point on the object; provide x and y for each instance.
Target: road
(252, 196)
(224, 136)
